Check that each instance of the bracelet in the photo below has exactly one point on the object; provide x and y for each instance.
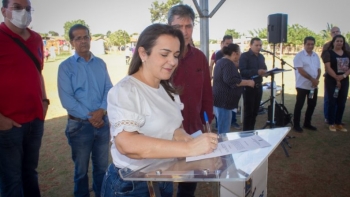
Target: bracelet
(47, 101)
(344, 76)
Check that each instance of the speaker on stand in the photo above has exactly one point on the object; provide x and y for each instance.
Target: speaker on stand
(277, 33)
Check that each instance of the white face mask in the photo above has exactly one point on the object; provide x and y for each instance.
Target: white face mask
(21, 18)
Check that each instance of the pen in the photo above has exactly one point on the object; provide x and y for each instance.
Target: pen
(207, 125)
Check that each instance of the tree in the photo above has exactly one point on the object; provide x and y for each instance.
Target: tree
(53, 33)
(347, 37)
(233, 33)
(69, 24)
(211, 41)
(119, 38)
(98, 35)
(260, 33)
(159, 11)
(326, 33)
(108, 33)
(43, 35)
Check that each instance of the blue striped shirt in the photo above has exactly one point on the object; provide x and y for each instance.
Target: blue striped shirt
(83, 85)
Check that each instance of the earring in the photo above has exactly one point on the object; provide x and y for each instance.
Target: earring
(143, 61)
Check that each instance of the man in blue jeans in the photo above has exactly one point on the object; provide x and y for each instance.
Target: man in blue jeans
(23, 102)
(83, 84)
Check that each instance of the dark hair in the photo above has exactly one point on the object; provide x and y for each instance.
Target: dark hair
(230, 49)
(226, 37)
(309, 38)
(182, 11)
(333, 40)
(5, 3)
(147, 40)
(75, 27)
(254, 39)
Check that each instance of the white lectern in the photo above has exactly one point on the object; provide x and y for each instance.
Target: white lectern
(241, 174)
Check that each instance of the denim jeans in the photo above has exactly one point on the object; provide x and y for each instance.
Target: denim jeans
(234, 119)
(86, 140)
(336, 106)
(325, 102)
(224, 117)
(19, 156)
(114, 186)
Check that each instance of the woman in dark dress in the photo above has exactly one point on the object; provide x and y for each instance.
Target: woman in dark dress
(336, 61)
(227, 86)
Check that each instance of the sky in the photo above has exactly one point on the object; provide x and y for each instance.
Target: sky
(133, 15)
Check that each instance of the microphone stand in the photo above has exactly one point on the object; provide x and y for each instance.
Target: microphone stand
(272, 97)
(282, 67)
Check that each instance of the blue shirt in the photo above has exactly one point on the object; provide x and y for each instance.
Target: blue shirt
(249, 64)
(83, 85)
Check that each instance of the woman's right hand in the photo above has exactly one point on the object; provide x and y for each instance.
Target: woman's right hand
(203, 144)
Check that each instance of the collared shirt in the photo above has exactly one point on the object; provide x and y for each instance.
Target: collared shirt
(249, 64)
(192, 75)
(20, 87)
(83, 85)
(310, 63)
(225, 90)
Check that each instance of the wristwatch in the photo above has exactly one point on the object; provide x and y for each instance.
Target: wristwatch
(47, 101)
(344, 76)
(104, 112)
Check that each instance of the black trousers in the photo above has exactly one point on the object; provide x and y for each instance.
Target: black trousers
(336, 106)
(186, 189)
(252, 99)
(300, 100)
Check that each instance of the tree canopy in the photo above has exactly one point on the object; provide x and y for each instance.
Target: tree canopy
(69, 24)
(53, 33)
(159, 11)
(233, 33)
(119, 38)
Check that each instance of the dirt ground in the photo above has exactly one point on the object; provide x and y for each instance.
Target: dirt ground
(319, 162)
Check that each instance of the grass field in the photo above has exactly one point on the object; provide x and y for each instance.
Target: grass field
(319, 162)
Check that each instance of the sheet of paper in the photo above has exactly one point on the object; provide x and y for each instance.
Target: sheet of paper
(234, 146)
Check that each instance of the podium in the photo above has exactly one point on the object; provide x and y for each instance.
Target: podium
(240, 174)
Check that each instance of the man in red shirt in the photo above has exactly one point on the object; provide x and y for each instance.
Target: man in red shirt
(192, 75)
(23, 102)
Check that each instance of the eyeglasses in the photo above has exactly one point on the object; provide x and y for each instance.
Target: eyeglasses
(19, 8)
(80, 39)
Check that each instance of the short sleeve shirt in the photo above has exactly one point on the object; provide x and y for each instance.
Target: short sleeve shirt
(135, 106)
(339, 63)
(311, 65)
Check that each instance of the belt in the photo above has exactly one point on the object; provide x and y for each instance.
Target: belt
(76, 119)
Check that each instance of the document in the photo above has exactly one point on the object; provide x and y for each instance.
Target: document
(233, 146)
(275, 71)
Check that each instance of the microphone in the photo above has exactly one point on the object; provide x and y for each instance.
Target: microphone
(265, 51)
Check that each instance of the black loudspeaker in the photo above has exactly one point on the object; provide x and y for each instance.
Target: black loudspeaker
(277, 28)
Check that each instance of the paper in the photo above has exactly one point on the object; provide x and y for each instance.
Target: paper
(233, 146)
(275, 71)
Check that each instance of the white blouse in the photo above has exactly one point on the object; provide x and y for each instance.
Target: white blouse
(134, 106)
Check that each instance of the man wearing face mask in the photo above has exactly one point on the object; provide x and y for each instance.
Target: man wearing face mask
(23, 101)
